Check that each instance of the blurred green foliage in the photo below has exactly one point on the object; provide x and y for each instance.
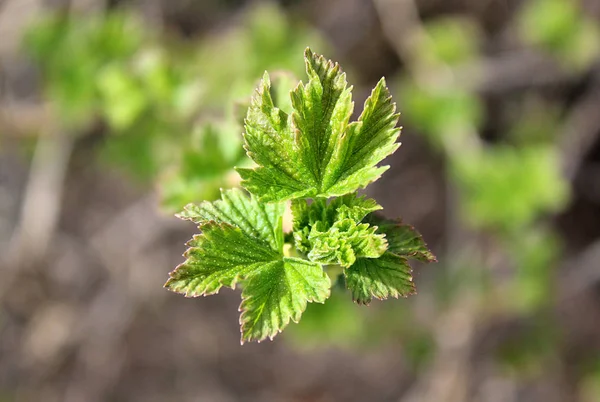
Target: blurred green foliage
(71, 54)
(534, 122)
(108, 68)
(503, 187)
(235, 60)
(507, 188)
(535, 256)
(451, 41)
(443, 113)
(561, 28)
(155, 93)
(205, 165)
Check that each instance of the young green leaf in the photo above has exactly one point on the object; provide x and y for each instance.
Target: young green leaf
(383, 277)
(221, 256)
(348, 206)
(260, 221)
(279, 292)
(389, 275)
(331, 233)
(315, 152)
(403, 239)
(242, 242)
(345, 241)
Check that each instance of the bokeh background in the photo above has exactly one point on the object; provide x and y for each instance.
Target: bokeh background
(115, 113)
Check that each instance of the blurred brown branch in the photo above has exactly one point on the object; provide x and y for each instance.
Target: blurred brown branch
(24, 119)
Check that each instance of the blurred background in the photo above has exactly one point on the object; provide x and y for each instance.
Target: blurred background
(116, 113)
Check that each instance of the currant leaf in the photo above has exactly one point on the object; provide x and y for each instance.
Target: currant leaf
(278, 293)
(387, 276)
(315, 151)
(242, 242)
(332, 233)
(403, 239)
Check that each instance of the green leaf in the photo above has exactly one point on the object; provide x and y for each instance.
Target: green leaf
(315, 152)
(403, 239)
(242, 242)
(389, 275)
(366, 143)
(260, 221)
(383, 277)
(331, 233)
(270, 142)
(221, 256)
(322, 109)
(345, 241)
(348, 206)
(278, 293)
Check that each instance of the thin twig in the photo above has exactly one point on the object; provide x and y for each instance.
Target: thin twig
(24, 120)
(41, 203)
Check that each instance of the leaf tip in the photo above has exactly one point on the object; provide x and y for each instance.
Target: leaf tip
(266, 79)
(167, 284)
(362, 302)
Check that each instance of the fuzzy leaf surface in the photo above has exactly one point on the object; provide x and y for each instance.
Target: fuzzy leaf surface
(315, 151)
(279, 293)
(344, 242)
(403, 239)
(258, 220)
(389, 275)
(331, 233)
(242, 242)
